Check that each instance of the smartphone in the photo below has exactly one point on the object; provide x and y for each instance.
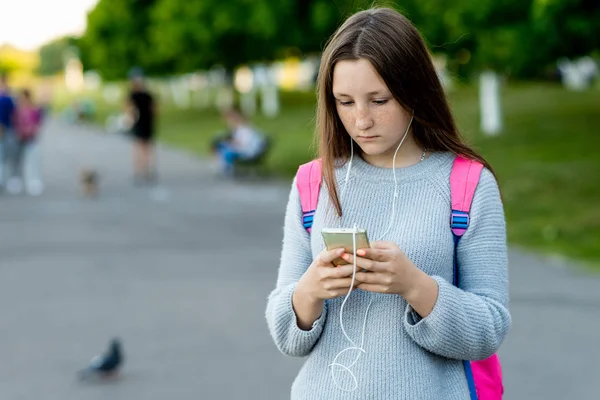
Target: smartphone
(336, 238)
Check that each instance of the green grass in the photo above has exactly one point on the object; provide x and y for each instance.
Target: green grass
(547, 159)
(548, 164)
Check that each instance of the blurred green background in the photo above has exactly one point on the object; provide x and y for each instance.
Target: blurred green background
(547, 156)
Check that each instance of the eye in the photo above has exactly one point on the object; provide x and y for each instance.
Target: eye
(380, 102)
(345, 103)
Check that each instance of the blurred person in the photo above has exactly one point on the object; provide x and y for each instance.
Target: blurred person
(27, 121)
(33, 154)
(7, 107)
(388, 147)
(242, 141)
(141, 110)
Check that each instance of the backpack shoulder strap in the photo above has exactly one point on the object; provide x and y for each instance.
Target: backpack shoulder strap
(308, 181)
(463, 182)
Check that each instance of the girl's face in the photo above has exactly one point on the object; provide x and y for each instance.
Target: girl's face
(368, 110)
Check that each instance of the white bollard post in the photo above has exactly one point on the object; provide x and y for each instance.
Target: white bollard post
(489, 101)
(200, 90)
(225, 97)
(180, 92)
(245, 83)
(269, 92)
(248, 102)
(577, 75)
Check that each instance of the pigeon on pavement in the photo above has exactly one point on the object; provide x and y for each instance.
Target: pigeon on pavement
(106, 365)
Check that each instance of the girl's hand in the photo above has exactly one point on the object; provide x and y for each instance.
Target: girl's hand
(389, 269)
(323, 280)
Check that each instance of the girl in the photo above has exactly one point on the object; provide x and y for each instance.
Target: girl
(388, 141)
(28, 118)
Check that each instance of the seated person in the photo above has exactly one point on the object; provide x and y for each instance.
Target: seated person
(243, 142)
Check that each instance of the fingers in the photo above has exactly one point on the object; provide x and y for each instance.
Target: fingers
(364, 263)
(327, 256)
(370, 287)
(373, 254)
(368, 278)
(335, 284)
(342, 271)
(334, 293)
(336, 287)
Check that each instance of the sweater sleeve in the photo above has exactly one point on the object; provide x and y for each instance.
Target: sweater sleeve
(470, 322)
(296, 257)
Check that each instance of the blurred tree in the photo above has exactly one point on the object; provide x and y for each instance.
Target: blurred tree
(564, 28)
(116, 37)
(501, 33)
(13, 59)
(474, 34)
(315, 20)
(239, 31)
(519, 37)
(212, 32)
(175, 36)
(52, 55)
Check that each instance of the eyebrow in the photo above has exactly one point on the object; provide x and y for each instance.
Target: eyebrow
(375, 92)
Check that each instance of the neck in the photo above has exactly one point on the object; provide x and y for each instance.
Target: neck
(409, 154)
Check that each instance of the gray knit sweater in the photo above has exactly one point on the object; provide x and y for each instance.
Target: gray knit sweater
(406, 357)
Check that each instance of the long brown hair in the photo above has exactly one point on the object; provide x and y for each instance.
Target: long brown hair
(398, 53)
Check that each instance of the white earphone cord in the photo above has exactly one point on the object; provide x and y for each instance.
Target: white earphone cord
(335, 366)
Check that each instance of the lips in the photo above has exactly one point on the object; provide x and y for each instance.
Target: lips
(368, 137)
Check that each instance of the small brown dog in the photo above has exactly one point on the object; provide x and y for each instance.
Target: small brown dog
(89, 183)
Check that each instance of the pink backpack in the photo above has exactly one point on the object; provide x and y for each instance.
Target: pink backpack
(483, 377)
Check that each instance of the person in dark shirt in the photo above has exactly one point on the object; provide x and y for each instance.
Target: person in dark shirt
(7, 108)
(141, 108)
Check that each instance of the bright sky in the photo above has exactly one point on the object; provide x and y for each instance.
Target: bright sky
(27, 24)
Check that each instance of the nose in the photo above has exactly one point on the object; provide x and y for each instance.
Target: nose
(363, 119)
